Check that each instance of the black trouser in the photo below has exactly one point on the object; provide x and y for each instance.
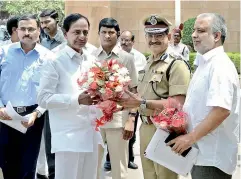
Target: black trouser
(19, 152)
(131, 143)
(208, 172)
(50, 157)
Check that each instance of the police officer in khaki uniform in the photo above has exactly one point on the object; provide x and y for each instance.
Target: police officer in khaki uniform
(164, 76)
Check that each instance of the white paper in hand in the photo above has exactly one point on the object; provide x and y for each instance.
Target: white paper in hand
(16, 119)
(158, 152)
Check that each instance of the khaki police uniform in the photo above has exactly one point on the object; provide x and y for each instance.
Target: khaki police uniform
(154, 85)
(112, 132)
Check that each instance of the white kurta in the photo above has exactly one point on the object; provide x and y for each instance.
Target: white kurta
(71, 124)
(215, 83)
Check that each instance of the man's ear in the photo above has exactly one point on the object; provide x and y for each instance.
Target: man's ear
(217, 36)
(14, 29)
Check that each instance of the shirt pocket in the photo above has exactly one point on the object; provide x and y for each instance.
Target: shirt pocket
(156, 82)
(141, 75)
(156, 77)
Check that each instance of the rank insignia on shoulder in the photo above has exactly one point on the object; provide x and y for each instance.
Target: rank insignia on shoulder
(164, 56)
(175, 56)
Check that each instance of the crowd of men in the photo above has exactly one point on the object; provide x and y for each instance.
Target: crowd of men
(40, 65)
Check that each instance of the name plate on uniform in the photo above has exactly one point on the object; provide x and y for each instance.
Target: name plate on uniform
(158, 152)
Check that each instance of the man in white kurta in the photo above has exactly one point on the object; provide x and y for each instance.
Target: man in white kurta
(213, 117)
(74, 139)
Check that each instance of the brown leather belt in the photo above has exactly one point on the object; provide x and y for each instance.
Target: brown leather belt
(146, 119)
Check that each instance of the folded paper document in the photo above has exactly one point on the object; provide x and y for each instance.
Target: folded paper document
(158, 152)
(16, 119)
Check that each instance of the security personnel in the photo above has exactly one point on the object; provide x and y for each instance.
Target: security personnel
(164, 76)
(178, 46)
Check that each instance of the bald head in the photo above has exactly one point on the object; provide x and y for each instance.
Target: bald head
(127, 40)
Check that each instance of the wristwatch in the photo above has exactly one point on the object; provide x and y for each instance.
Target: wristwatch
(143, 104)
(39, 114)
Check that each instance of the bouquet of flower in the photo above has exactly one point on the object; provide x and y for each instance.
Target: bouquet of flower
(108, 80)
(172, 118)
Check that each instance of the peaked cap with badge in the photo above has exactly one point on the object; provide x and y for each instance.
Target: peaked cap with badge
(156, 24)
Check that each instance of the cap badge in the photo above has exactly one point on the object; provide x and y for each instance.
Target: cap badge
(153, 20)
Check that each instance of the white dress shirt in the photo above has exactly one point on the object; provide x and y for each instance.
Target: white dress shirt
(6, 42)
(182, 50)
(215, 83)
(72, 125)
(140, 60)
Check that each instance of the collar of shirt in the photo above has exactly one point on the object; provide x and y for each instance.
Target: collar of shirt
(115, 50)
(59, 36)
(207, 56)
(133, 51)
(39, 48)
(72, 53)
(162, 56)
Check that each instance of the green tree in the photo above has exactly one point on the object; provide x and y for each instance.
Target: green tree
(187, 32)
(20, 7)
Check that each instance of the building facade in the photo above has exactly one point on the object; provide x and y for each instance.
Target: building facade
(130, 15)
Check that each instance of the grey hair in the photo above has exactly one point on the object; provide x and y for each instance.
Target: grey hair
(218, 24)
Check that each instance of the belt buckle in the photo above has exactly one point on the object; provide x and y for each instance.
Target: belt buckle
(21, 109)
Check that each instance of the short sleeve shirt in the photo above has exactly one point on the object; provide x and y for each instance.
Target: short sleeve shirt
(153, 83)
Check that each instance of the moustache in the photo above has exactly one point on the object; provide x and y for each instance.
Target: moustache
(27, 37)
(155, 43)
(123, 45)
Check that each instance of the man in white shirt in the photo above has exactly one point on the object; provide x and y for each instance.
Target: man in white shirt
(178, 46)
(214, 118)
(74, 139)
(127, 40)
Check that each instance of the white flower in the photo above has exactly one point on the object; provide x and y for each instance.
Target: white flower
(121, 79)
(91, 74)
(123, 71)
(127, 79)
(115, 67)
(119, 89)
(102, 91)
(112, 78)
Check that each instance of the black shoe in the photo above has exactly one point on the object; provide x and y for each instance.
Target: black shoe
(132, 165)
(107, 166)
(41, 176)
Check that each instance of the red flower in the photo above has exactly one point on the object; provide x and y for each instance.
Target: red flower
(94, 86)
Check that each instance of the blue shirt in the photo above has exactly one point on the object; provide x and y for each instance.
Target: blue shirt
(20, 73)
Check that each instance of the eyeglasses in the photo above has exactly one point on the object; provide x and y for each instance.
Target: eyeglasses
(30, 29)
(156, 36)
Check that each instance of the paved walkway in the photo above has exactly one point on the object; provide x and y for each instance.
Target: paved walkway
(137, 174)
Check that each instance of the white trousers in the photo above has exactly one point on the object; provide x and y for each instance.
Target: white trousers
(76, 165)
(42, 166)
